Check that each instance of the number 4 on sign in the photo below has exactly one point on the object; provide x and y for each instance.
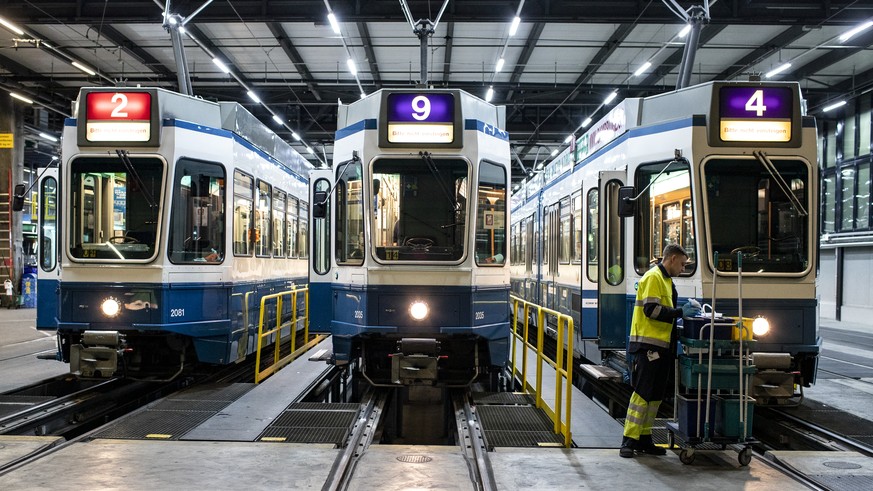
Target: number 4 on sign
(756, 103)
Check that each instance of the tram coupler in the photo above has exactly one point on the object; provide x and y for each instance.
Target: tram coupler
(415, 362)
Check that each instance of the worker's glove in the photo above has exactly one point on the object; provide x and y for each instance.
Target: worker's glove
(691, 308)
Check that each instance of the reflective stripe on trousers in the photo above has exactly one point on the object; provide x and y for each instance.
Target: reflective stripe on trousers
(640, 417)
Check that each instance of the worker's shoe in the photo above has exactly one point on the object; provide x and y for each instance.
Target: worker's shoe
(647, 446)
(628, 445)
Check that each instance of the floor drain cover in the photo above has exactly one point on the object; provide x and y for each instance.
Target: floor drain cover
(842, 465)
(414, 459)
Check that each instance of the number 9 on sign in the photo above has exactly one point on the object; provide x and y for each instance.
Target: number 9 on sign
(421, 108)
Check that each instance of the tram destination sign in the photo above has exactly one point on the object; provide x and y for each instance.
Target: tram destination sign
(757, 114)
(413, 118)
(118, 116)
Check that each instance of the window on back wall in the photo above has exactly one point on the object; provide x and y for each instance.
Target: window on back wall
(847, 198)
(849, 127)
(862, 218)
(828, 203)
(864, 125)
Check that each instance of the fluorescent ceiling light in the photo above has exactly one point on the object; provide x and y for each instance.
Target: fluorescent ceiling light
(309, 149)
(363, 95)
(84, 68)
(12, 27)
(221, 66)
(610, 97)
(295, 136)
(554, 152)
(834, 106)
(568, 139)
(489, 95)
(513, 28)
(21, 97)
(685, 30)
(645, 66)
(848, 35)
(254, 97)
(499, 66)
(277, 119)
(352, 68)
(586, 122)
(334, 24)
(776, 71)
(48, 137)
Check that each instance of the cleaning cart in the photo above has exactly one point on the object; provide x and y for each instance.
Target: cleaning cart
(713, 409)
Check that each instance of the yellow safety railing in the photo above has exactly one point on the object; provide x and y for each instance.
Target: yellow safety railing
(563, 367)
(278, 360)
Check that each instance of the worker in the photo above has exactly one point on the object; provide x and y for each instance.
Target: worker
(650, 345)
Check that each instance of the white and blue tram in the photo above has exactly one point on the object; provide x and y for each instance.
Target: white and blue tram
(172, 218)
(409, 269)
(719, 168)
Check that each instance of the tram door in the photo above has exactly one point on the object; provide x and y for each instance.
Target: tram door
(551, 228)
(48, 272)
(320, 271)
(613, 319)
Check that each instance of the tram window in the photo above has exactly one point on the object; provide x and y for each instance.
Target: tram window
(577, 229)
(320, 232)
(528, 245)
(593, 233)
(48, 219)
(546, 235)
(422, 209)
(114, 211)
(614, 253)
(491, 215)
(349, 232)
(749, 210)
(303, 230)
(279, 198)
(565, 236)
(197, 216)
(291, 244)
(665, 214)
(243, 191)
(263, 209)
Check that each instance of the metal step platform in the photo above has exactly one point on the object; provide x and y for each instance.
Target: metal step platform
(312, 422)
(511, 419)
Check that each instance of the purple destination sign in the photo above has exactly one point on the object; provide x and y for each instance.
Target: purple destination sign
(410, 107)
(755, 102)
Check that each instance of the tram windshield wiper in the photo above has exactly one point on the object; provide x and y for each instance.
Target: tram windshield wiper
(780, 181)
(431, 165)
(124, 155)
(345, 166)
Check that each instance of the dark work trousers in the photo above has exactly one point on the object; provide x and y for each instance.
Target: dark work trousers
(651, 369)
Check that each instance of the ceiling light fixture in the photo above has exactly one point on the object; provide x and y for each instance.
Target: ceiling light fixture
(254, 97)
(221, 66)
(848, 35)
(352, 68)
(499, 65)
(610, 97)
(685, 30)
(834, 106)
(12, 27)
(489, 95)
(48, 137)
(776, 71)
(334, 24)
(21, 98)
(278, 119)
(84, 68)
(586, 122)
(513, 28)
(645, 66)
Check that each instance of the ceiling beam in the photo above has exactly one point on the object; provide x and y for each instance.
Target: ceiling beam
(447, 59)
(371, 54)
(529, 45)
(141, 55)
(605, 51)
(767, 48)
(291, 52)
(672, 61)
(831, 56)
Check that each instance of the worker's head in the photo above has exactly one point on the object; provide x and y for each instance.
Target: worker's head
(674, 260)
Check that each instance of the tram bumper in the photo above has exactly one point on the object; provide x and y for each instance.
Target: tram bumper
(415, 363)
(97, 355)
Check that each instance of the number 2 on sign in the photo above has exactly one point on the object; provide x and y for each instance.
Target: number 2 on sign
(756, 103)
(119, 111)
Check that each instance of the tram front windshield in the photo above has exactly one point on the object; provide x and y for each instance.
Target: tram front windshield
(114, 207)
(760, 211)
(420, 209)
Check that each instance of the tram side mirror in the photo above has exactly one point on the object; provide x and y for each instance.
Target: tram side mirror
(319, 204)
(626, 206)
(18, 197)
(376, 184)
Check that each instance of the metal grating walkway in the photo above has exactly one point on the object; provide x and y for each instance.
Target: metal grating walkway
(511, 420)
(176, 415)
(307, 422)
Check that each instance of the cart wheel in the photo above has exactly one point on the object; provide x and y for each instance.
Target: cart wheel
(745, 456)
(686, 455)
(671, 440)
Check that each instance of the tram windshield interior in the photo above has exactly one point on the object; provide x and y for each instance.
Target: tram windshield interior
(665, 213)
(759, 211)
(114, 205)
(420, 209)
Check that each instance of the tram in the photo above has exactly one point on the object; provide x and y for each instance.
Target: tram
(725, 170)
(169, 218)
(409, 268)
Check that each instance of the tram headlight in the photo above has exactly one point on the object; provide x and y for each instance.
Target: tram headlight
(760, 326)
(110, 307)
(418, 310)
